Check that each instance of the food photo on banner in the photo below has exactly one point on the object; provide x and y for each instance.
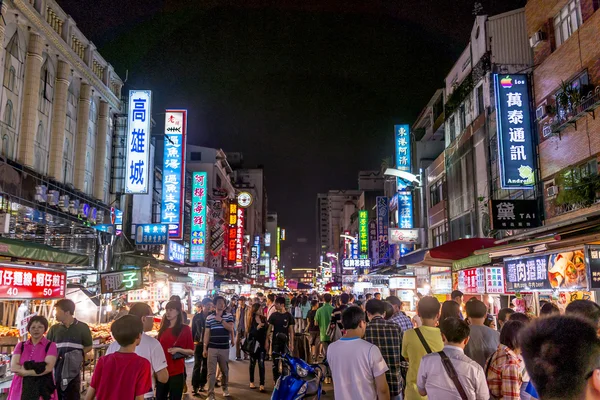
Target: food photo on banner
(556, 271)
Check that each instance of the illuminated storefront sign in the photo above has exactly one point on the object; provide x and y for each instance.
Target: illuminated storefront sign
(267, 239)
(278, 243)
(232, 233)
(151, 234)
(403, 282)
(121, 281)
(471, 281)
(406, 236)
(176, 252)
(494, 279)
(282, 234)
(363, 232)
(198, 223)
(173, 179)
(25, 283)
(403, 156)
(116, 218)
(515, 141)
(239, 239)
(382, 228)
(138, 142)
(351, 263)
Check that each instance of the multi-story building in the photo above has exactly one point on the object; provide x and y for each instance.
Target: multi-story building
(566, 84)
(498, 44)
(59, 103)
(370, 180)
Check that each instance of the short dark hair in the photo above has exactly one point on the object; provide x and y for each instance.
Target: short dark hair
(217, 298)
(368, 296)
(428, 307)
(140, 310)
(206, 302)
(394, 300)
(376, 307)
(559, 351)
(456, 293)
(344, 298)
(450, 308)
(504, 313)
(271, 297)
(280, 300)
(127, 329)
(586, 309)
(509, 335)
(519, 316)
(352, 317)
(476, 309)
(327, 298)
(377, 294)
(242, 298)
(549, 309)
(38, 318)
(454, 329)
(314, 303)
(66, 305)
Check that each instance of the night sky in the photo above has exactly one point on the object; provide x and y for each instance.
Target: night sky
(310, 89)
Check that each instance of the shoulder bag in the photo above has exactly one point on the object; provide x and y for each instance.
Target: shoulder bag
(452, 374)
(423, 341)
(179, 355)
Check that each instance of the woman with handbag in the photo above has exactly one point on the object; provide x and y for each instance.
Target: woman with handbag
(256, 344)
(32, 363)
(178, 344)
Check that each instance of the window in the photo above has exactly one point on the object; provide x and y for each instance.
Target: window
(8, 113)
(219, 182)
(480, 105)
(87, 161)
(439, 235)
(12, 76)
(461, 228)
(5, 145)
(436, 192)
(567, 21)
(452, 129)
(463, 118)
(573, 176)
(196, 156)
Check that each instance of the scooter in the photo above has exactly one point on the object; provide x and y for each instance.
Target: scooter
(300, 380)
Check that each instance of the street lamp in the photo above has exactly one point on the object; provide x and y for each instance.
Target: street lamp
(407, 176)
(332, 255)
(349, 237)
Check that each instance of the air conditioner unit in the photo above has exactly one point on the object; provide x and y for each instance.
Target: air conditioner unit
(551, 191)
(546, 130)
(536, 38)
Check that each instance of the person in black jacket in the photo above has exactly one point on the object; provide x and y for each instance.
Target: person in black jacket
(257, 328)
(200, 372)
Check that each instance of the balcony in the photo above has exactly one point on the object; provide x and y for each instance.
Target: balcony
(569, 117)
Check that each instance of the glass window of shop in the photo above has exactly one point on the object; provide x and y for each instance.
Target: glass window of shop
(437, 192)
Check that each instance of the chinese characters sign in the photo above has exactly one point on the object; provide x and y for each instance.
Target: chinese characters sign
(403, 282)
(176, 252)
(21, 283)
(494, 280)
(351, 263)
(173, 180)
(198, 225)
(373, 248)
(363, 232)
(471, 281)
(121, 281)
(594, 262)
(138, 142)
(239, 239)
(231, 233)
(403, 160)
(515, 214)
(515, 142)
(382, 228)
(530, 273)
(151, 234)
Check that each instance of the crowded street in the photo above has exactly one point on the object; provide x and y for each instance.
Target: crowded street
(300, 200)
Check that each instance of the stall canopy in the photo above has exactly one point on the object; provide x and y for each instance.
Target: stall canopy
(166, 267)
(446, 254)
(29, 251)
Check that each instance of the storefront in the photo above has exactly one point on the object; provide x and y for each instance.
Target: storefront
(404, 287)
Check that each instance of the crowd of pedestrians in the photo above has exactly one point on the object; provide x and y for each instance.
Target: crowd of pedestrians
(373, 349)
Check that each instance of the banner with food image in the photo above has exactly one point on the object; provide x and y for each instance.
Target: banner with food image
(562, 271)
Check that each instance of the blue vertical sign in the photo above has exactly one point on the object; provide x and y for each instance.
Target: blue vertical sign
(173, 180)
(382, 228)
(137, 158)
(176, 252)
(404, 163)
(515, 141)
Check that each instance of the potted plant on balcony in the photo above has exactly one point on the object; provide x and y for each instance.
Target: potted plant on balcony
(577, 191)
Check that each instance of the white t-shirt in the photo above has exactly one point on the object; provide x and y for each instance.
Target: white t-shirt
(355, 363)
(151, 350)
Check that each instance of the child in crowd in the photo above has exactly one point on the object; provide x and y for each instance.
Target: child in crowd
(122, 375)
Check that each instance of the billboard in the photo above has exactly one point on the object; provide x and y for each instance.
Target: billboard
(137, 157)
(173, 179)
(232, 233)
(515, 140)
(198, 223)
(363, 232)
(25, 283)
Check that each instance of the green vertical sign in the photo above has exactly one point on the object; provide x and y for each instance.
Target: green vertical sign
(363, 233)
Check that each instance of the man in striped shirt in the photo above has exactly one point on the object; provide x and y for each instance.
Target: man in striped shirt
(218, 334)
(71, 337)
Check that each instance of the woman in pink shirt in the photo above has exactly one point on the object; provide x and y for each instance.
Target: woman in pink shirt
(36, 349)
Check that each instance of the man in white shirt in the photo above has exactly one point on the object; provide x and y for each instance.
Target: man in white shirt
(357, 366)
(149, 348)
(434, 381)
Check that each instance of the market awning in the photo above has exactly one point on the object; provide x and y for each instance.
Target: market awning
(30, 251)
(446, 254)
(412, 258)
(163, 266)
(471, 261)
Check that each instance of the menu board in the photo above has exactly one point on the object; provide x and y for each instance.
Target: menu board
(594, 263)
(25, 283)
(153, 293)
(471, 281)
(441, 283)
(494, 279)
(403, 282)
(562, 271)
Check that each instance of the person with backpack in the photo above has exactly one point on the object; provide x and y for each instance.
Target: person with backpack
(38, 349)
(450, 374)
(420, 341)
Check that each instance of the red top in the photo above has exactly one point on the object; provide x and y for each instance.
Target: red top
(185, 341)
(121, 376)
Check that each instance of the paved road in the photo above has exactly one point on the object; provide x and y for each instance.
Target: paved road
(239, 382)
